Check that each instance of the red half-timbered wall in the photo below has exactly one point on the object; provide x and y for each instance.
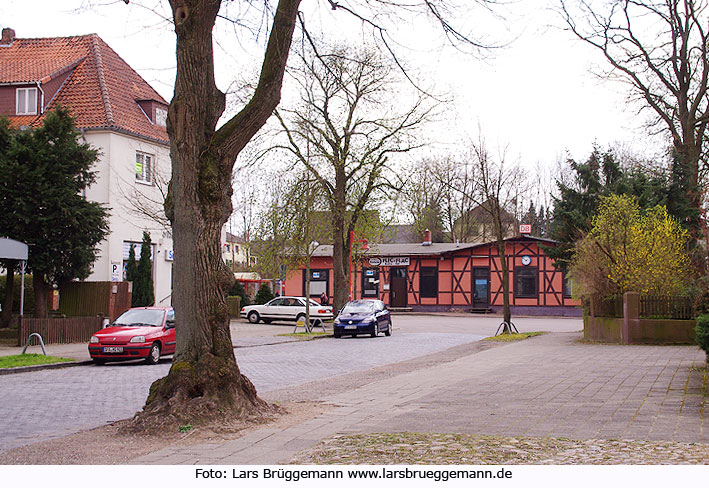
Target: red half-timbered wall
(455, 271)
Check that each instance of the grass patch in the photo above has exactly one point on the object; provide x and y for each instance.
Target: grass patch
(305, 334)
(513, 337)
(29, 360)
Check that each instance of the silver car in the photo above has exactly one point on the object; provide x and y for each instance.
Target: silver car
(288, 309)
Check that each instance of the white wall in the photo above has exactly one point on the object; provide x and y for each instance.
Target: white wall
(117, 187)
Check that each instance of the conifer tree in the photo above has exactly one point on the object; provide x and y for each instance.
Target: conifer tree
(131, 267)
(43, 173)
(143, 294)
(263, 295)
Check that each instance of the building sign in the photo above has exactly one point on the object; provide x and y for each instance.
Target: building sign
(398, 261)
(525, 229)
(116, 271)
(169, 255)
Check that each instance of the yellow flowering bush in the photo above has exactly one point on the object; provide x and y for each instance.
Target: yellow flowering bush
(631, 250)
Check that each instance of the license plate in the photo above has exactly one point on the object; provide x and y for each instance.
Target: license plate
(112, 349)
(350, 326)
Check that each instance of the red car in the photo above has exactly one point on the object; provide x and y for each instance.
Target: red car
(139, 333)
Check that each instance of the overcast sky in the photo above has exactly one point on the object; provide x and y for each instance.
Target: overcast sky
(535, 95)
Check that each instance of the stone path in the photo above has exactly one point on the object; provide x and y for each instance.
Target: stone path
(549, 386)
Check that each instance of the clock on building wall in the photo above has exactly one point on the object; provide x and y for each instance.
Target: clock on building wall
(526, 260)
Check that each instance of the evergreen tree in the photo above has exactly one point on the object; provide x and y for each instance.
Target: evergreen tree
(131, 265)
(143, 294)
(601, 175)
(238, 291)
(263, 295)
(679, 200)
(43, 173)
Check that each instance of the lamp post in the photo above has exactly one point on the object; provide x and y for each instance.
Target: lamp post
(365, 247)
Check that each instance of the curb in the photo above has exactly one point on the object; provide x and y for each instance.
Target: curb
(39, 367)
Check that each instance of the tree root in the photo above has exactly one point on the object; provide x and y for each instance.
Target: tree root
(210, 391)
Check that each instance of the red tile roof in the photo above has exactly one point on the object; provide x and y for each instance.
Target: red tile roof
(101, 90)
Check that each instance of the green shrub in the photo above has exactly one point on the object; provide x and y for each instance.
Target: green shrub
(702, 331)
(263, 295)
(238, 291)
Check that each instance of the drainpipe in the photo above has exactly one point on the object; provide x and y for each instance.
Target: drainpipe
(39, 87)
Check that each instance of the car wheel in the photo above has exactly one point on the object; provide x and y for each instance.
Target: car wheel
(301, 316)
(388, 331)
(376, 330)
(337, 336)
(154, 354)
(99, 362)
(253, 317)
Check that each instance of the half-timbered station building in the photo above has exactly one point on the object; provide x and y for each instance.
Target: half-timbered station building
(445, 277)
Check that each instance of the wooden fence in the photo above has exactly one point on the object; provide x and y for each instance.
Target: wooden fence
(681, 308)
(88, 298)
(59, 330)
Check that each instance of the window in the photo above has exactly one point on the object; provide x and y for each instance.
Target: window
(160, 116)
(26, 101)
(429, 282)
(568, 287)
(144, 167)
(526, 281)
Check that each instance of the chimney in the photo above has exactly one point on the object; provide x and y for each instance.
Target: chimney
(8, 37)
(427, 237)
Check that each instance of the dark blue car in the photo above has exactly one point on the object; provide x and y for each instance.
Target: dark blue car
(363, 317)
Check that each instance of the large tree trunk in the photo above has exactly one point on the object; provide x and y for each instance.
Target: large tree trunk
(341, 241)
(204, 382)
(8, 299)
(41, 295)
(506, 314)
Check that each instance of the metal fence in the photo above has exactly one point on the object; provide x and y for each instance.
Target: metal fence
(59, 330)
(666, 307)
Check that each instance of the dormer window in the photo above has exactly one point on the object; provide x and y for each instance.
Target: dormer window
(26, 101)
(160, 117)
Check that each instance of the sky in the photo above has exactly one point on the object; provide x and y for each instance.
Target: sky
(535, 95)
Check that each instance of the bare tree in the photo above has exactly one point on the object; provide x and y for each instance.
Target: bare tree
(436, 197)
(496, 190)
(204, 381)
(344, 130)
(660, 48)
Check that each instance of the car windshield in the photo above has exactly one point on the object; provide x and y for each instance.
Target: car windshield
(358, 307)
(313, 302)
(140, 317)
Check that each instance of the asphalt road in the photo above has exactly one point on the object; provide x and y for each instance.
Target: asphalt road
(51, 403)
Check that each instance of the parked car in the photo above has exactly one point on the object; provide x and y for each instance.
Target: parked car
(285, 308)
(138, 333)
(363, 317)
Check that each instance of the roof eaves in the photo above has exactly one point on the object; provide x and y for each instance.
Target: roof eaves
(128, 132)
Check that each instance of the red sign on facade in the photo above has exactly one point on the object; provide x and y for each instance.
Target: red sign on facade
(525, 229)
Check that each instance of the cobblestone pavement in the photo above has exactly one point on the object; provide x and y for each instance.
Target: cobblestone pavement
(548, 389)
(52, 403)
(418, 448)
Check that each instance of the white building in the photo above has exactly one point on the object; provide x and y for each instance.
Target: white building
(119, 114)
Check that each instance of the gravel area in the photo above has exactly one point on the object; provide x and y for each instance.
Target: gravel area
(454, 449)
